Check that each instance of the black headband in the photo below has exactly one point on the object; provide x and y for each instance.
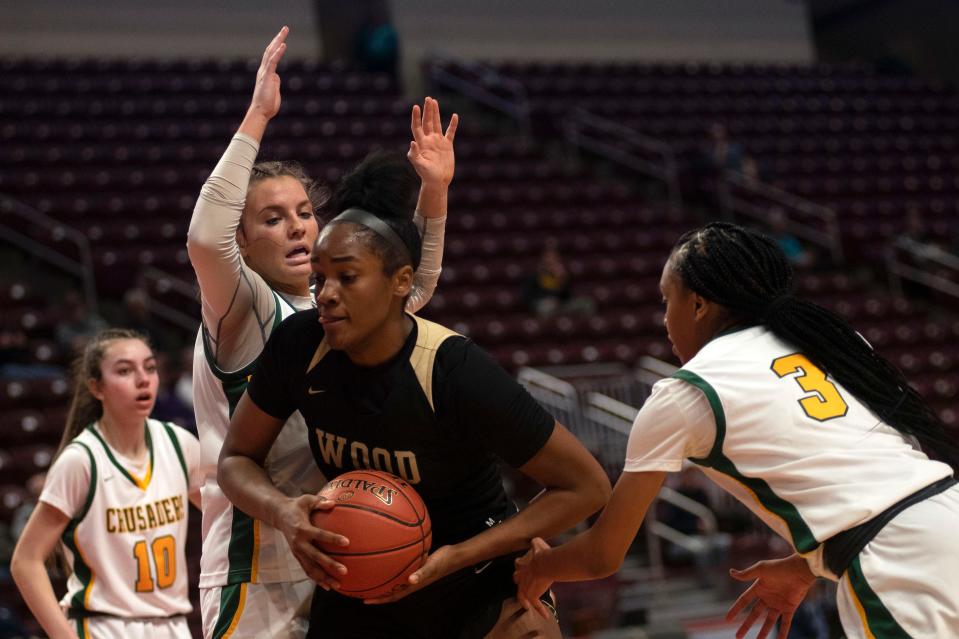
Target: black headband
(375, 224)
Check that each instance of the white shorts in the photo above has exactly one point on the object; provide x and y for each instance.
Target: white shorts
(106, 627)
(257, 610)
(905, 582)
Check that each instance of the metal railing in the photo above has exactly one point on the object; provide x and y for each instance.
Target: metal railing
(625, 146)
(16, 216)
(481, 83)
(926, 265)
(603, 425)
(733, 184)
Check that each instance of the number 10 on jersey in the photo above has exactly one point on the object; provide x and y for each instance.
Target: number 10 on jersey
(164, 559)
(826, 402)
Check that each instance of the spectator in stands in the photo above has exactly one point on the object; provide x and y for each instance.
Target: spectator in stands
(549, 291)
(718, 155)
(795, 252)
(78, 324)
(721, 153)
(377, 43)
(169, 407)
(137, 317)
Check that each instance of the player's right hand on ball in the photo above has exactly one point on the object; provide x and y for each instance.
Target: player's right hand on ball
(294, 522)
(266, 92)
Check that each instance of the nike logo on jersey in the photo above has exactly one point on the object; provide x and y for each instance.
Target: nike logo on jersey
(480, 569)
(315, 392)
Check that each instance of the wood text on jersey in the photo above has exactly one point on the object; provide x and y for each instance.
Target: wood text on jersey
(333, 448)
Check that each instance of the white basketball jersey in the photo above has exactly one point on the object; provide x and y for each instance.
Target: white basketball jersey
(237, 548)
(126, 544)
(794, 446)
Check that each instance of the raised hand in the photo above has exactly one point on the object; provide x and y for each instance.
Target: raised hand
(530, 585)
(266, 92)
(780, 586)
(302, 535)
(431, 151)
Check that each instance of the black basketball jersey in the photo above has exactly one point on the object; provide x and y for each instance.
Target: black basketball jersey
(440, 414)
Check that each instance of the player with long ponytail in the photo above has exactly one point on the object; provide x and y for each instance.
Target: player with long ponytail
(116, 502)
(786, 407)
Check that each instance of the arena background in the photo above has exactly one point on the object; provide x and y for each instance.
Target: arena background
(601, 129)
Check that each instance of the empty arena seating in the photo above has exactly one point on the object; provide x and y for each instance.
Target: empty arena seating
(119, 149)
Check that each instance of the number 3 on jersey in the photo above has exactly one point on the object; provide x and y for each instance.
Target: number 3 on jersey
(826, 403)
(164, 558)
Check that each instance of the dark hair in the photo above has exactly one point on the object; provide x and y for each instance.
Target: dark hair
(385, 185)
(747, 273)
(317, 192)
(84, 407)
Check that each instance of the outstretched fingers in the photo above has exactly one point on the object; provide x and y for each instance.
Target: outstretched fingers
(742, 602)
(275, 58)
(451, 129)
(435, 116)
(416, 123)
(427, 116)
(278, 40)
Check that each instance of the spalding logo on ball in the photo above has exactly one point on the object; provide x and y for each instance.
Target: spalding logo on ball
(388, 528)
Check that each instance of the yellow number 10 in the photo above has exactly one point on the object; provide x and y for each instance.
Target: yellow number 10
(827, 403)
(164, 558)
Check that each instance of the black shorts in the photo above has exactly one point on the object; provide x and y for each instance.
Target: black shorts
(464, 605)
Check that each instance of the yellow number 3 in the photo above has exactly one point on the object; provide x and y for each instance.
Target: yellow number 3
(827, 403)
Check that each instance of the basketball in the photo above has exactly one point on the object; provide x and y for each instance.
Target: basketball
(387, 525)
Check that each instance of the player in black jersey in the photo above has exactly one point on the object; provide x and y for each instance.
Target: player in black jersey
(380, 388)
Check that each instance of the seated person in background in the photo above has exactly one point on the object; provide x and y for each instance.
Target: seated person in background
(795, 252)
(548, 291)
(78, 324)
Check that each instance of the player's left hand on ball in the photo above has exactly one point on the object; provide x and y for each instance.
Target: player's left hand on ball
(437, 566)
(431, 151)
(529, 583)
(778, 588)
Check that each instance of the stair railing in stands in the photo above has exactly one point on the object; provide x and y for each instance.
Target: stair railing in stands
(734, 185)
(15, 216)
(159, 281)
(626, 146)
(603, 424)
(481, 83)
(926, 265)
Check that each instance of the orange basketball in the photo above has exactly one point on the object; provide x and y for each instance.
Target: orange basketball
(388, 528)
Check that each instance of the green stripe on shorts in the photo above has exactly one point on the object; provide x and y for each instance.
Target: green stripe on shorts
(230, 608)
(880, 621)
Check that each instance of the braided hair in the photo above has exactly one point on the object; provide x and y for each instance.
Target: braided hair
(748, 274)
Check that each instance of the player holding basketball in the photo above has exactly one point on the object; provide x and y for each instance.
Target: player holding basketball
(381, 388)
(789, 409)
(249, 243)
(116, 498)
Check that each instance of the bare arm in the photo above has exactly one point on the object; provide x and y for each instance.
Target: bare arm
(245, 482)
(576, 487)
(431, 154)
(230, 289)
(37, 542)
(599, 551)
